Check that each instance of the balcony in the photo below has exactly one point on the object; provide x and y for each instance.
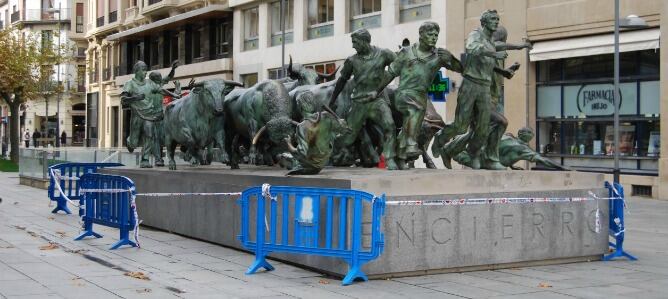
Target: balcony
(16, 16)
(159, 6)
(47, 15)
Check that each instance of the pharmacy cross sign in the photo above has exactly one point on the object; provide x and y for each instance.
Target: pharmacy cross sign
(439, 87)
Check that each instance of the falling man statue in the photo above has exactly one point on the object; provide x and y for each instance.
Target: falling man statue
(416, 66)
(367, 68)
(142, 98)
(514, 149)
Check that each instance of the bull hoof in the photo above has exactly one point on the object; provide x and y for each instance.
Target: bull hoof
(172, 165)
(145, 164)
(430, 164)
(159, 163)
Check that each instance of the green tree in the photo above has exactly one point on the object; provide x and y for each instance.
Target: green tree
(26, 72)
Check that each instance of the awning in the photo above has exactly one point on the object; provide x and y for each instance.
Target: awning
(210, 11)
(594, 45)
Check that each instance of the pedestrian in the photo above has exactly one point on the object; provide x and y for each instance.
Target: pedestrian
(36, 135)
(26, 138)
(63, 139)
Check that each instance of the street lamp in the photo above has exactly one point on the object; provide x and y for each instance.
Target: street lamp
(57, 134)
(630, 22)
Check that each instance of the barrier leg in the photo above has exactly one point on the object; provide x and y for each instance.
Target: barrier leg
(61, 205)
(88, 231)
(124, 240)
(354, 273)
(619, 250)
(260, 262)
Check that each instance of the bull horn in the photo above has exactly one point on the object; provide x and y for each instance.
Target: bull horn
(328, 76)
(259, 134)
(296, 123)
(290, 71)
(233, 83)
(317, 118)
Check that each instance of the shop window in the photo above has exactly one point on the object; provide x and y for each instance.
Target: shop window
(575, 108)
(365, 14)
(320, 18)
(251, 19)
(549, 101)
(414, 10)
(649, 95)
(276, 33)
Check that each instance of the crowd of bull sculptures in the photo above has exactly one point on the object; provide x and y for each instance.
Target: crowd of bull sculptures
(351, 121)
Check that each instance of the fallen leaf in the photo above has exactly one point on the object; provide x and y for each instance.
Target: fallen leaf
(322, 281)
(51, 246)
(16, 202)
(137, 275)
(20, 227)
(144, 291)
(544, 285)
(32, 234)
(62, 234)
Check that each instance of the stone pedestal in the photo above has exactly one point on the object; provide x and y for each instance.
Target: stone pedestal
(418, 239)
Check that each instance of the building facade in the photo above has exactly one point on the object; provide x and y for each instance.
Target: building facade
(196, 33)
(564, 89)
(58, 22)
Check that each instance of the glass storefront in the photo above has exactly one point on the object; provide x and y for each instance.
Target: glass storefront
(574, 111)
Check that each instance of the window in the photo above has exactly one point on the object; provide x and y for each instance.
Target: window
(79, 17)
(221, 39)
(113, 10)
(365, 14)
(251, 29)
(276, 33)
(413, 10)
(47, 39)
(100, 13)
(196, 43)
(326, 68)
(249, 79)
(320, 18)
(276, 73)
(154, 52)
(575, 108)
(132, 3)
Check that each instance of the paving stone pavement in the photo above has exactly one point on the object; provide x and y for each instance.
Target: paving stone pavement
(178, 267)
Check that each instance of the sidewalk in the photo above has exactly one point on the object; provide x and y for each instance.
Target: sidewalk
(38, 259)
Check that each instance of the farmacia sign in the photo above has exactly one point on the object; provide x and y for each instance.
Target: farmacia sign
(597, 99)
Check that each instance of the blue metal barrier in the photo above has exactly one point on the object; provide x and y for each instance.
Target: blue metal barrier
(318, 221)
(108, 204)
(617, 228)
(68, 183)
